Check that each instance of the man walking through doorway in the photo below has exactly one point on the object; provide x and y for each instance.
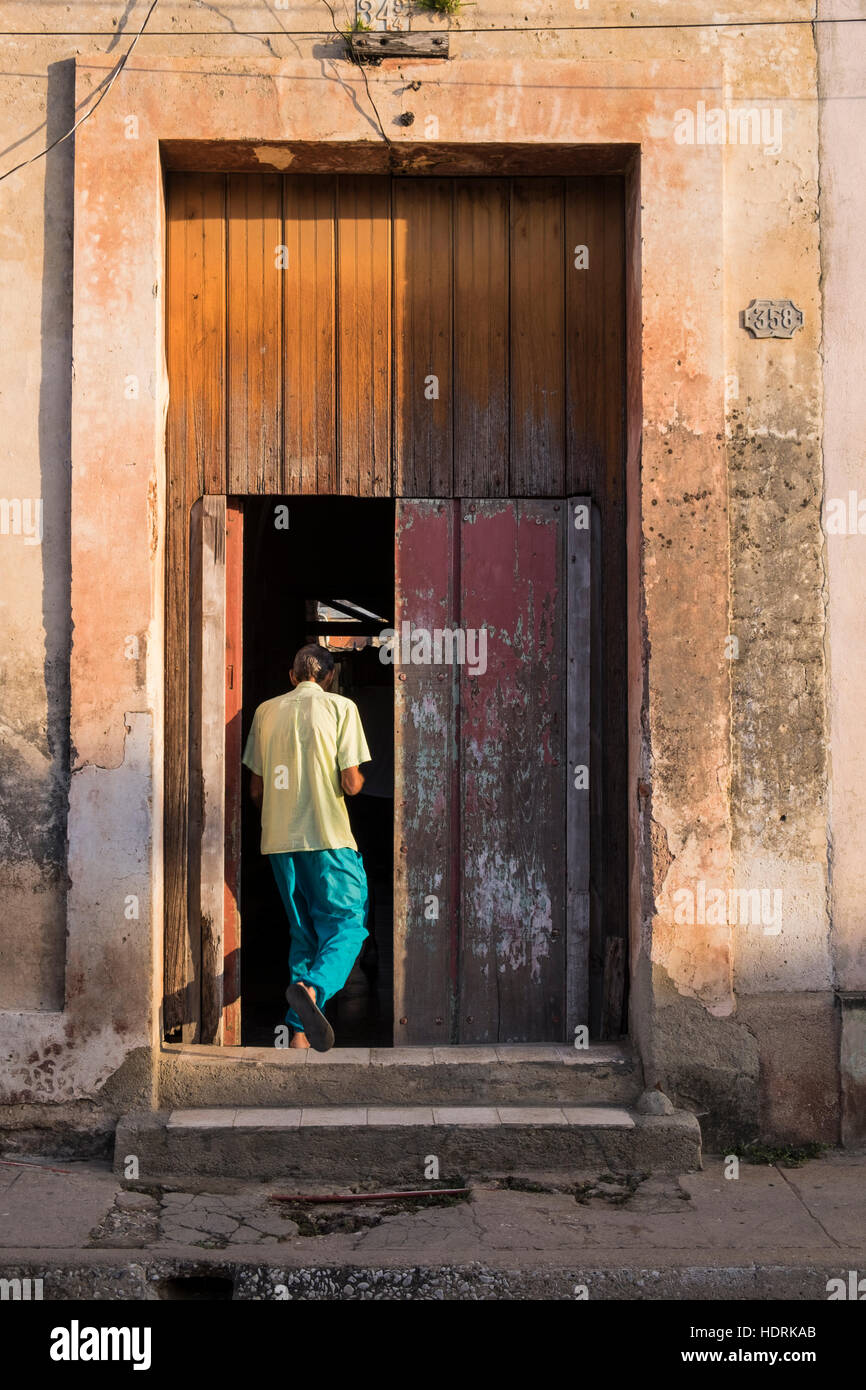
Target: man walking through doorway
(303, 750)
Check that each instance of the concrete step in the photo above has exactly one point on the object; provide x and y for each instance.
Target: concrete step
(394, 1143)
(194, 1076)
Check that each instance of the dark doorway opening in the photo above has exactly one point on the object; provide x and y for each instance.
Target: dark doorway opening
(320, 569)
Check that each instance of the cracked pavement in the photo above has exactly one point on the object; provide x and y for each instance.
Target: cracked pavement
(814, 1213)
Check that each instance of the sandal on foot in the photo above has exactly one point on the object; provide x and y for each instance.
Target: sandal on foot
(319, 1032)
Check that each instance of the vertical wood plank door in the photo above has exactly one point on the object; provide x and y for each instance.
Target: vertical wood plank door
(364, 335)
(230, 965)
(537, 337)
(582, 764)
(213, 833)
(309, 332)
(196, 450)
(492, 717)
(426, 825)
(207, 783)
(254, 298)
(457, 343)
(512, 729)
(481, 337)
(423, 389)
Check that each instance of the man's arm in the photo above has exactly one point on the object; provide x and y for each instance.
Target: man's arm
(257, 787)
(351, 780)
(351, 748)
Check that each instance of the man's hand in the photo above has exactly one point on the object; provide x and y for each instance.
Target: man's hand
(257, 788)
(351, 781)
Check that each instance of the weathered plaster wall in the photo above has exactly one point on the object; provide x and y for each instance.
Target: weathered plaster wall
(35, 355)
(731, 754)
(771, 835)
(842, 71)
(842, 86)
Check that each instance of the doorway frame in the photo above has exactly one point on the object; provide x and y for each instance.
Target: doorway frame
(456, 161)
(470, 162)
(118, 451)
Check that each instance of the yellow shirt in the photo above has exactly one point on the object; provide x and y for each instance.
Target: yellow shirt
(299, 744)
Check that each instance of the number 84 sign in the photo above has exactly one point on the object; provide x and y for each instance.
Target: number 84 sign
(383, 14)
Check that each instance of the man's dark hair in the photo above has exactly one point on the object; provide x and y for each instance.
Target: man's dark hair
(312, 663)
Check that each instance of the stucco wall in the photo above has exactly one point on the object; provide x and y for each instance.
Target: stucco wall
(842, 86)
(730, 750)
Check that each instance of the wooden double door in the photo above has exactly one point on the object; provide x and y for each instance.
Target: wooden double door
(456, 344)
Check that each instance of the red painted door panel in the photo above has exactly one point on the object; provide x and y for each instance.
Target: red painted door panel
(512, 935)
(426, 830)
(492, 857)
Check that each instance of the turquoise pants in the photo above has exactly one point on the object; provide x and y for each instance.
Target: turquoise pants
(324, 892)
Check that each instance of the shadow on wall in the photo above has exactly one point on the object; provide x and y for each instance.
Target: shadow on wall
(55, 412)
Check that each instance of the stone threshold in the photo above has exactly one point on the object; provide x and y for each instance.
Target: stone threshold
(481, 1053)
(193, 1076)
(358, 1115)
(394, 1143)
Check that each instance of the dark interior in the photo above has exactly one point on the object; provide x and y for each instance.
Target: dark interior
(301, 552)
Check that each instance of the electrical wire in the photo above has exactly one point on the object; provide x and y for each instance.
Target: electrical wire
(462, 29)
(388, 141)
(102, 95)
(317, 33)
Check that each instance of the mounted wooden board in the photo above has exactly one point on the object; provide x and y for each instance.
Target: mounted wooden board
(372, 48)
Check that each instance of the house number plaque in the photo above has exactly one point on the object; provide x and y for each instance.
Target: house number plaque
(389, 15)
(772, 318)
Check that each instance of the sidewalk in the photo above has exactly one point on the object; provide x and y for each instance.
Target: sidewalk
(771, 1233)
